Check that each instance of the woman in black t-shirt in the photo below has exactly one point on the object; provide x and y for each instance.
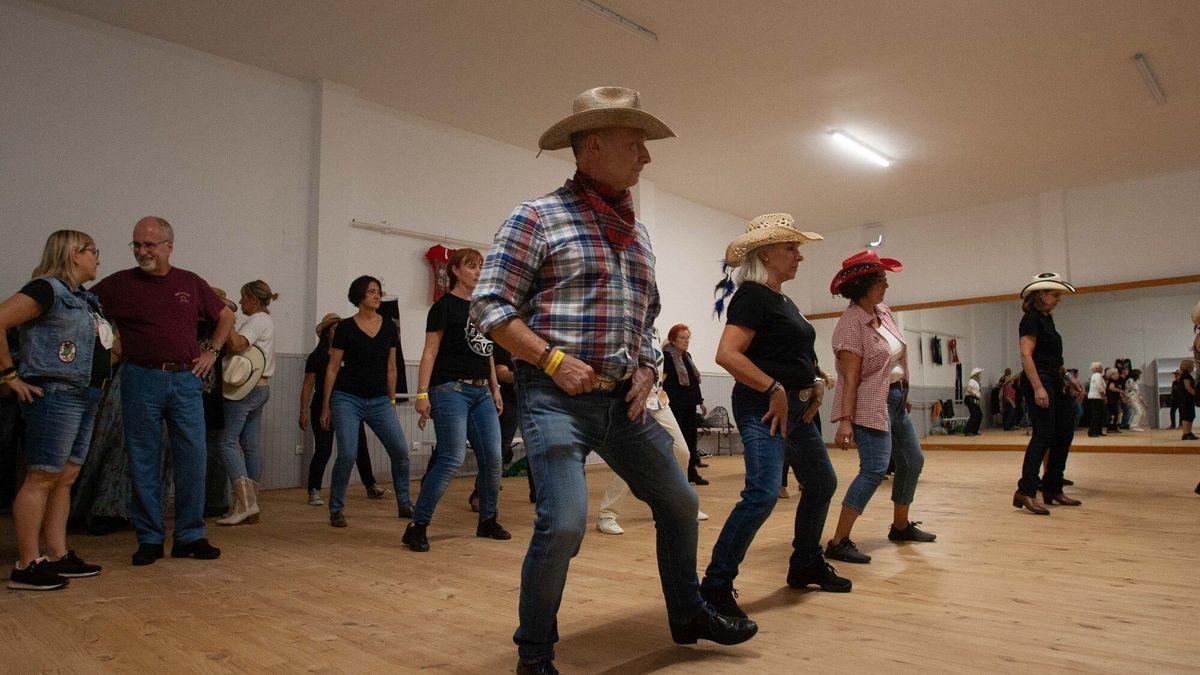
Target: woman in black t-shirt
(360, 386)
(768, 347)
(1051, 407)
(457, 387)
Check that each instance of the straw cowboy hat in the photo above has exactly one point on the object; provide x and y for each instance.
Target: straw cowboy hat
(860, 265)
(241, 372)
(604, 108)
(974, 372)
(326, 321)
(225, 299)
(769, 228)
(1047, 281)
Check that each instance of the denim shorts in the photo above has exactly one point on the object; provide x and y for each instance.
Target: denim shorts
(58, 426)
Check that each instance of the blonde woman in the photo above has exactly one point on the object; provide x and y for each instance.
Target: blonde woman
(243, 416)
(64, 363)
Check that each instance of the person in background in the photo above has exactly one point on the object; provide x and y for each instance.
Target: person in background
(243, 418)
(1095, 400)
(158, 310)
(360, 386)
(1187, 400)
(1051, 412)
(1078, 393)
(681, 381)
(310, 412)
(216, 479)
(1133, 397)
(870, 403)
(1113, 393)
(64, 363)
(1008, 401)
(972, 399)
(1175, 397)
(1123, 385)
(458, 389)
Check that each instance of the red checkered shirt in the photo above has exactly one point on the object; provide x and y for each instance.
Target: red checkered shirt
(855, 334)
(552, 266)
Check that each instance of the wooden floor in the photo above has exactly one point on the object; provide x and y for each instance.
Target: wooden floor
(1113, 586)
(1149, 441)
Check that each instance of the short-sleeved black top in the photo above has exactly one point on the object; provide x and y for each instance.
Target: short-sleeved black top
(783, 343)
(365, 359)
(1047, 352)
(1184, 397)
(464, 350)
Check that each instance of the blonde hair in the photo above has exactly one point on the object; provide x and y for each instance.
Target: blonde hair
(56, 255)
(752, 269)
(1097, 367)
(260, 291)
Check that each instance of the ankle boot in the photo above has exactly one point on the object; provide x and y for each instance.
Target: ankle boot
(1031, 503)
(1060, 498)
(245, 504)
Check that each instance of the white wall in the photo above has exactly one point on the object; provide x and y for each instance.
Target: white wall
(101, 126)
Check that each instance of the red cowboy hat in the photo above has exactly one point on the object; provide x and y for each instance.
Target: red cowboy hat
(860, 265)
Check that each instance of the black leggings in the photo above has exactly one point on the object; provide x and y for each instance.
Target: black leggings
(1053, 431)
(976, 418)
(1095, 416)
(686, 418)
(324, 448)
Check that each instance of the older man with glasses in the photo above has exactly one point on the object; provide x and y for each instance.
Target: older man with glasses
(157, 309)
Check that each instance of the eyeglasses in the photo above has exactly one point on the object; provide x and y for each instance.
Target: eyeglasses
(95, 251)
(148, 245)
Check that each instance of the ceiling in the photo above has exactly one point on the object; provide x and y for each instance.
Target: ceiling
(978, 101)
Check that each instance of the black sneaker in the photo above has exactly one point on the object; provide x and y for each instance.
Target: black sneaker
(72, 566)
(846, 551)
(545, 667)
(695, 479)
(910, 533)
(147, 554)
(491, 529)
(199, 549)
(336, 519)
(414, 537)
(1190, 437)
(820, 573)
(709, 625)
(404, 511)
(724, 601)
(36, 577)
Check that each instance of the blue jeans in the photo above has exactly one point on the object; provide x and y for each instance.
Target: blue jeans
(58, 426)
(243, 421)
(461, 411)
(876, 447)
(148, 398)
(346, 412)
(765, 456)
(559, 431)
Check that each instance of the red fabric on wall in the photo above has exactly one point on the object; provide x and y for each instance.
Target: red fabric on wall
(438, 256)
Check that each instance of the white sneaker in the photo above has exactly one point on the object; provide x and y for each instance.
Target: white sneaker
(700, 515)
(314, 498)
(609, 526)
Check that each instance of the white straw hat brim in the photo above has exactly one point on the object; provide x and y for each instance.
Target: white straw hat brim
(559, 135)
(738, 249)
(1047, 285)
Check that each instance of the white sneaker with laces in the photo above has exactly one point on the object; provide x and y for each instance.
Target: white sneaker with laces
(609, 526)
(314, 498)
(700, 515)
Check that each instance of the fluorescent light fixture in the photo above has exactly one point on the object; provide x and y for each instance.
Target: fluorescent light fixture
(859, 148)
(1152, 84)
(628, 24)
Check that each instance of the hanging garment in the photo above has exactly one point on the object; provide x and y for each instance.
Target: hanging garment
(958, 383)
(935, 350)
(438, 256)
(952, 345)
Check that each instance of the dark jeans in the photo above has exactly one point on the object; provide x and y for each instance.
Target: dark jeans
(1053, 431)
(686, 418)
(323, 448)
(766, 456)
(976, 418)
(1095, 416)
(1114, 414)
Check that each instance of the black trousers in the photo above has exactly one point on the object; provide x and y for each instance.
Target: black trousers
(324, 448)
(1095, 409)
(1053, 431)
(976, 418)
(1114, 414)
(686, 418)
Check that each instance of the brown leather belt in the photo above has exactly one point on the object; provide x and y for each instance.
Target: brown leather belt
(168, 367)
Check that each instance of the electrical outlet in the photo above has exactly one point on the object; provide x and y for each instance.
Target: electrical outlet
(299, 448)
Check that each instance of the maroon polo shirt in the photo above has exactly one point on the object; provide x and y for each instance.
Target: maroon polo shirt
(158, 316)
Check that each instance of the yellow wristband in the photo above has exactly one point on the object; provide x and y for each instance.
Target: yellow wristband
(422, 396)
(9, 377)
(555, 360)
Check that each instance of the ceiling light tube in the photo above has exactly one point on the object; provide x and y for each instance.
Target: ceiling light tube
(859, 148)
(1152, 84)
(626, 23)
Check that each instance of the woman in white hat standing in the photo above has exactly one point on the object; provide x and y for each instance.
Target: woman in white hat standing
(244, 405)
(1052, 413)
(768, 347)
(972, 397)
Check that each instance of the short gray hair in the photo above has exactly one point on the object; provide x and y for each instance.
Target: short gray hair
(167, 230)
(752, 269)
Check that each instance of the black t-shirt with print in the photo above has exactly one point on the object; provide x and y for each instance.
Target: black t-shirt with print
(464, 350)
(42, 293)
(1047, 352)
(783, 343)
(364, 359)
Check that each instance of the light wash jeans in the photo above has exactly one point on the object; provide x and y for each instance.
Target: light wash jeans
(461, 411)
(346, 412)
(876, 447)
(243, 422)
(559, 432)
(150, 397)
(618, 489)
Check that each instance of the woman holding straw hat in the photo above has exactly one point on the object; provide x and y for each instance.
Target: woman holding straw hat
(870, 404)
(1052, 414)
(768, 347)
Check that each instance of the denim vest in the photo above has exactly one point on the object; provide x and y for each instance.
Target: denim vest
(59, 344)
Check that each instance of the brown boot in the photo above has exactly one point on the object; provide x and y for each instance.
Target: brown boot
(245, 504)
(1060, 498)
(1021, 501)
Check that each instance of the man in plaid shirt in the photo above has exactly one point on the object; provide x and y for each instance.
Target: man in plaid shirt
(568, 288)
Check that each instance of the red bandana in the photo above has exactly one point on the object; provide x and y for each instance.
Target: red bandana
(614, 210)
